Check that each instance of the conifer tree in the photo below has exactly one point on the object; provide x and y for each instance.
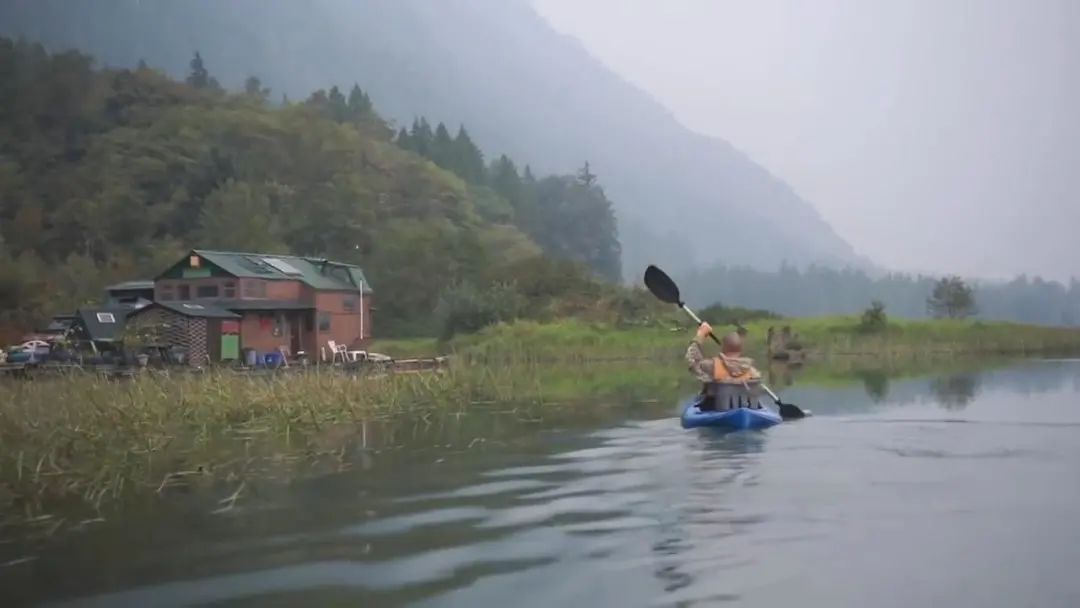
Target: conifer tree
(442, 149)
(470, 161)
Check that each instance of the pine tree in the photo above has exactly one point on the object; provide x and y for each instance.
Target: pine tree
(338, 107)
(586, 177)
(442, 149)
(470, 161)
(199, 76)
(359, 103)
(403, 140)
(253, 87)
(504, 180)
(421, 137)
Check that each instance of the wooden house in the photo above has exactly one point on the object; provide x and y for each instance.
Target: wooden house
(217, 304)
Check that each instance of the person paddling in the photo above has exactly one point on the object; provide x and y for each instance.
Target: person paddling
(718, 373)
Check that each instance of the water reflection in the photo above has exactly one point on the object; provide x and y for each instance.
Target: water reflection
(956, 391)
(704, 512)
(876, 382)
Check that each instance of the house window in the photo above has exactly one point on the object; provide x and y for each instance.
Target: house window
(279, 324)
(206, 291)
(106, 317)
(230, 289)
(166, 292)
(194, 261)
(349, 303)
(254, 289)
(324, 321)
(183, 292)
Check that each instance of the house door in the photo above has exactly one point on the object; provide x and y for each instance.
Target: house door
(230, 340)
(296, 344)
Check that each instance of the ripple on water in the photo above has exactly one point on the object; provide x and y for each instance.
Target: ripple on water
(646, 513)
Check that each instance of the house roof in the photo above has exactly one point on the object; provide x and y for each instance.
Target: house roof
(131, 286)
(198, 309)
(59, 323)
(98, 325)
(318, 273)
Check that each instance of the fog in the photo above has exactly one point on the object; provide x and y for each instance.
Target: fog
(934, 136)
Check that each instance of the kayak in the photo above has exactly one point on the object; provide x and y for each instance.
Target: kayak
(740, 418)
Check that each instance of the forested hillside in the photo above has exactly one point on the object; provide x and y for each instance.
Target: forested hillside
(520, 87)
(110, 175)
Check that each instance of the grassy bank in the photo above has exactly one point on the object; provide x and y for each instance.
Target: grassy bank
(822, 338)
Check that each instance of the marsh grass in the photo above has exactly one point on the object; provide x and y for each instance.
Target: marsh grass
(79, 442)
(90, 440)
(823, 338)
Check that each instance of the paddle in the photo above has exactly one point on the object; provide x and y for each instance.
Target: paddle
(665, 289)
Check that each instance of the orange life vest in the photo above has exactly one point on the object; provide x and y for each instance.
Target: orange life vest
(721, 373)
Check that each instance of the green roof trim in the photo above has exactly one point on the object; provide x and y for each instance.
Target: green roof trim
(131, 286)
(318, 273)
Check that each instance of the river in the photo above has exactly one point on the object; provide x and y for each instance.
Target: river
(957, 490)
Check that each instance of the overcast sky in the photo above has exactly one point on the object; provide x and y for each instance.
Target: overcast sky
(936, 135)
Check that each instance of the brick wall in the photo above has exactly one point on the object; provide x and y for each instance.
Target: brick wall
(254, 333)
(345, 320)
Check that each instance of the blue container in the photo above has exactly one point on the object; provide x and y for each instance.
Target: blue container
(272, 359)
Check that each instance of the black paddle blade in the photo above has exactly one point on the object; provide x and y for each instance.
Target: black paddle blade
(661, 286)
(789, 411)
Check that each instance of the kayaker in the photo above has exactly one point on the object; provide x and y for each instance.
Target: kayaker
(730, 368)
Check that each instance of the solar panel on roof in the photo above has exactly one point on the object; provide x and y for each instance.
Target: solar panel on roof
(255, 265)
(283, 266)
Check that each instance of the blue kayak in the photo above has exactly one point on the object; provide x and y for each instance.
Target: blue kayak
(740, 418)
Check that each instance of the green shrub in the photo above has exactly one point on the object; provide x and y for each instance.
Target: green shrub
(874, 319)
(464, 308)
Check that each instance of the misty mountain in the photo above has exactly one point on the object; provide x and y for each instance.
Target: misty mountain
(683, 199)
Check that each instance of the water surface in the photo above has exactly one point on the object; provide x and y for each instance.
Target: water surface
(957, 490)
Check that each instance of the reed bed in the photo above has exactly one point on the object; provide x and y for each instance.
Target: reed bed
(822, 339)
(77, 443)
(85, 440)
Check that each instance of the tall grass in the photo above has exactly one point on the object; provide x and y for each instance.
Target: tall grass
(90, 439)
(822, 338)
(84, 441)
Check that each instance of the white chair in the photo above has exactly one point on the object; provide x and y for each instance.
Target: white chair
(347, 356)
